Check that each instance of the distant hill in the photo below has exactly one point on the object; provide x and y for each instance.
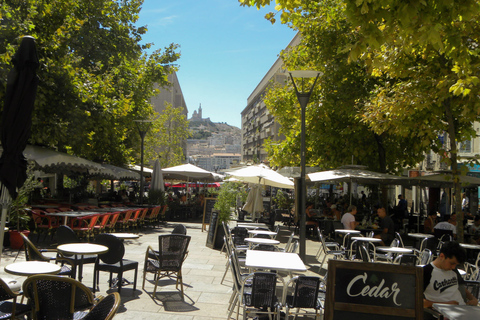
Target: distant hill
(206, 127)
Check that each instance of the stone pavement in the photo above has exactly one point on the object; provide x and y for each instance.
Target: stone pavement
(205, 297)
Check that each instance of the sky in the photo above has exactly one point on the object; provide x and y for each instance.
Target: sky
(225, 49)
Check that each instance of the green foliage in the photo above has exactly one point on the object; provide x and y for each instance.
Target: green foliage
(95, 77)
(164, 140)
(227, 197)
(282, 201)
(18, 217)
(156, 197)
(200, 135)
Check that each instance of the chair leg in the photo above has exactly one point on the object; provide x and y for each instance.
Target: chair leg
(135, 281)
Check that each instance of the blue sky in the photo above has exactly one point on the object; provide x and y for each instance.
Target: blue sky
(225, 50)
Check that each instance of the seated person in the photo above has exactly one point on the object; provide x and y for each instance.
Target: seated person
(448, 224)
(386, 226)
(311, 214)
(348, 219)
(474, 230)
(430, 222)
(441, 280)
(336, 214)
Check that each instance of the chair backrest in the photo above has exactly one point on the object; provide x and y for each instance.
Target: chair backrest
(5, 292)
(105, 309)
(290, 239)
(293, 247)
(65, 235)
(364, 253)
(265, 247)
(263, 290)
(31, 252)
(305, 293)
(238, 235)
(179, 229)
(473, 287)
(407, 260)
(440, 232)
(399, 237)
(116, 248)
(322, 242)
(56, 297)
(425, 256)
(172, 250)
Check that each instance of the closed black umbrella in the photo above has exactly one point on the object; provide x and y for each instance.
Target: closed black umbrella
(16, 122)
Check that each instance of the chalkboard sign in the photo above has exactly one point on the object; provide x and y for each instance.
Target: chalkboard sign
(207, 211)
(369, 291)
(212, 230)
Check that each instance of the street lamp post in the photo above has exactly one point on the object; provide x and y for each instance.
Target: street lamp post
(143, 127)
(303, 98)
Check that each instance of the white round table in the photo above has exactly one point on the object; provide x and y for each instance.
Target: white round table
(420, 235)
(470, 246)
(29, 268)
(81, 249)
(366, 239)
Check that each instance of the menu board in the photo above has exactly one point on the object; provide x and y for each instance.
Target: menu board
(212, 230)
(369, 291)
(207, 211)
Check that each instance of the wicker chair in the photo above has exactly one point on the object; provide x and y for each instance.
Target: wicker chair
(113, 262)
(304, 295)
(11, 309)
(105, 309)
(32, 253)
(260, 297)
(54, 297)
(168, 260)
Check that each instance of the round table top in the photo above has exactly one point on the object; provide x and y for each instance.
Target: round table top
(29, 268)
(366, 239)
(470, 246)
(347, 231)
(82, 248)
(262, 241)
(125, 235)
(269, 233)
(420, 235)
(394, 249)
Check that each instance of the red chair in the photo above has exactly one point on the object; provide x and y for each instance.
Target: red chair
(110, 227)
(83, 226)
(44, 223)
(124, 218)
(143, 215)
(133, 221)
(101, 224)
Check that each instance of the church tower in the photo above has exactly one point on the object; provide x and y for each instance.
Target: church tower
(200, 111)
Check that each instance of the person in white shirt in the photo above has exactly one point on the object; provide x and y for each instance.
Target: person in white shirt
(441, 281)
(348, 219)
(448, 224)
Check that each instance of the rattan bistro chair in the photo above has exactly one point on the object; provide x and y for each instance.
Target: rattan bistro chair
(32, 253)
(11, 309)
(55, 297)
(301, 292)
(105, 309)
(168, 260)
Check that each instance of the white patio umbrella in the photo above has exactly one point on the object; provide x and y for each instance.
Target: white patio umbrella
(262, 175)
(186, 172)
(254, 202)
(157, 177)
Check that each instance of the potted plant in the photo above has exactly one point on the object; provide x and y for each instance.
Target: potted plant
(226, 200)
(19, 218)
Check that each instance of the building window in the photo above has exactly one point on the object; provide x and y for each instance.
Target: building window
(465, 147)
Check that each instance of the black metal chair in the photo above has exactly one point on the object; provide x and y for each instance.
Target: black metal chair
(32, 253)
(260, 297)
(55, 297)
(105, 309)
(303, 296)
(113, 262)
(168, 260)
(238, 236)
(66, 235)
(406, 260)
(11, 309)
(179, 229)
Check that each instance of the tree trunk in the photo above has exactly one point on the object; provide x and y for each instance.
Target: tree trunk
(453, 157)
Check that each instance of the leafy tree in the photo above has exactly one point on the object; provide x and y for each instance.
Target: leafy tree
(166, 137)
(426, 53)
(95, 77)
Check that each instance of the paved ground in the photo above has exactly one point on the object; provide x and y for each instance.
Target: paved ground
(205, 297)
